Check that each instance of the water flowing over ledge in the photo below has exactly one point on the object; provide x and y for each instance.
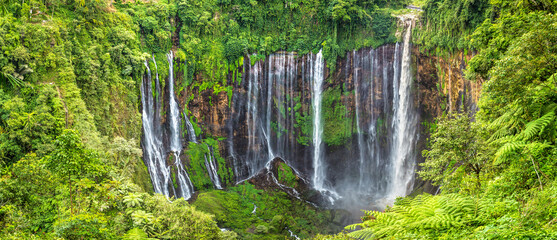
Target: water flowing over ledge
(283, 107)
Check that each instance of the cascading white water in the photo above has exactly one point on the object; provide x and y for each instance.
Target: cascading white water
(371, 179)
(153, 153)
(396, 79)
(267, 130)
(361, 144)
(184, 183)
(212, 168)
(372, 141)
(385, 151)
(191, 132)
(253, 119)
(267, 105)
(404, 122)
(317, 134)
(280, 103)
(319, 163)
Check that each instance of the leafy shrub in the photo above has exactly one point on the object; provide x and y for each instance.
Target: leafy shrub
(83, 226)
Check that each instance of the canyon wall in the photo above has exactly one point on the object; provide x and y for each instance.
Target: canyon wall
(371, 129)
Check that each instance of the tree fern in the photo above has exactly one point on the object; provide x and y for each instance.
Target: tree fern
(534, 128)
(502, 153)
(423, 215)
(533, 133)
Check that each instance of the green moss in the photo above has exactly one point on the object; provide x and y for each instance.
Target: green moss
(337, 127)
(304, 122)
(197, 170)
(199, 175)
(141, 177)
(286, 176)
(225, 173)
(174, 180)
(275, 211)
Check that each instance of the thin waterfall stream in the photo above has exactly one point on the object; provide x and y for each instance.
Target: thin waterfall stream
(183, 181)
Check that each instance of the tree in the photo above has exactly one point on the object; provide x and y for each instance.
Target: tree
(457, 151)
(71, 159)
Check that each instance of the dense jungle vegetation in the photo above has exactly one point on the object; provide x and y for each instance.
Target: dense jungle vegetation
(70, 122)
(496, 169)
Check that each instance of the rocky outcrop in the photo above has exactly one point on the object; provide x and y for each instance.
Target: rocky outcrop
(442, 84)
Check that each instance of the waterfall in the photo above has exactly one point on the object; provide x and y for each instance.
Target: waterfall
(319, 163)
(184, 183)
(385, 151)
(269, 111)
(189, 126)
(211, 166)
(277, 112)
(257, 161)
(317, 134)
(372, 179)
(404, 122)
(357, 99)
(168, 178)
(152, 143)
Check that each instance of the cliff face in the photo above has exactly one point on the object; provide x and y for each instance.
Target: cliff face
(357, 132)
(270, 114)
(443, 87)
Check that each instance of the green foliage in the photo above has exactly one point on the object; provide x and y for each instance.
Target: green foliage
(457, 154)
(71, 159)
(89, 226)
(197, 153)
(339, 236)
(127, 157)
(233, 209)
(286, 175)
(175, 220)
(455, 216)
(136, 234)
(447, 24)
(337, 125)
(31, 121)
(424, 216)
(27, 197)
(518, 104)
(200, 152)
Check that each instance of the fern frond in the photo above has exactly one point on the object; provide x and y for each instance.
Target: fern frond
(502, 120)
(510, 147)
(535, 127)
(499, 134)
(362, 234)
(536, 147)
(353, 226)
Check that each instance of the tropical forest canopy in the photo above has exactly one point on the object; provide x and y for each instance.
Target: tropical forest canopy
(70, 121)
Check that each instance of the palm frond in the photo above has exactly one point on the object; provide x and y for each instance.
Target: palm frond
(15, 82)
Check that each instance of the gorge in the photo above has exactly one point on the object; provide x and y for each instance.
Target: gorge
(278, 119)
(350, 134)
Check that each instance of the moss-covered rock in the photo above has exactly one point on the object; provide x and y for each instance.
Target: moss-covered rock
(337, 128)
(269, 214)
